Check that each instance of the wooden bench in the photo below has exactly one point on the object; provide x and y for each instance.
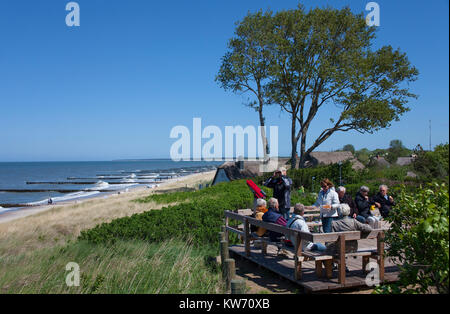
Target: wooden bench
(308, 218)
(299, 256)
(324, 261)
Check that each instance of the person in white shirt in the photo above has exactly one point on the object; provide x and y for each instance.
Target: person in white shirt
(328, 202)
(297, 222)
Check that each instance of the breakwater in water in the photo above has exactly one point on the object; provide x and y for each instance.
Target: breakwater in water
(34, 184)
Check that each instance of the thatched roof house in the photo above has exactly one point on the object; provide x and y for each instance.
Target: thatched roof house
(379, 162)
(328, 158)
(403, 161)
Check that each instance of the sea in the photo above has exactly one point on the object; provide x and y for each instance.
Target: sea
(25, 184)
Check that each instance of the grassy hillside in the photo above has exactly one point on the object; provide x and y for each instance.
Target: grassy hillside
(197, 215)
(123, 267)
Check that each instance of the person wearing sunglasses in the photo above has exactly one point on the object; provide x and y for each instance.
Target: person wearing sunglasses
(328, 202)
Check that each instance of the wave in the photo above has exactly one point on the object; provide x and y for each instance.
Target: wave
(100, 185)
(123, 186)
(5, 210)
(128, 181)
(68, 197)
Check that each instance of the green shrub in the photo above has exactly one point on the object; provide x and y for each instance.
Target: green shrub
(433, 165)
(199, 217)
(303, 177)
(419, 241)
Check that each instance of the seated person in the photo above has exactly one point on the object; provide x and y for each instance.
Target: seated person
(363, 204)
(297, 221)
(383, 201)
(347, 224)
(345, 198)
(272, 215)
(260, 211)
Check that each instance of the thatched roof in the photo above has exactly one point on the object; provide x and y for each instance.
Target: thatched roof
(403, 161)
(328, 158)
(379, 161)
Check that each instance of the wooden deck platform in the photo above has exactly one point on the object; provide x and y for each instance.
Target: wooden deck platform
(284, 267)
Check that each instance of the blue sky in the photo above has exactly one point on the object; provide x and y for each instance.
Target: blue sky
(115, 86)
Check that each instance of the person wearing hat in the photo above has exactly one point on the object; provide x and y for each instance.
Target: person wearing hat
(281, 185)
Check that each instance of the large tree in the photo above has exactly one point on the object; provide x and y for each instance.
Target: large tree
(245, 66)
(323, 59)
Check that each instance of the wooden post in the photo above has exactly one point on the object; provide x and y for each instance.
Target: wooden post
(230, 272)
(247, 237)
(226, 231)
(224, 254)
(328, 268)
(365, 261)
(298, 256)
(319, 269)
(380, 251)
(237, 286)
(341, 246)
(221, 236)
(263, 247)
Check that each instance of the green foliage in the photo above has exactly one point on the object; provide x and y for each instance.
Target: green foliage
(363, 155)
(304, 198)
(198, 216)
(349, 148)
(432, 165)
(305, 61)
(132, 267)
(303, 177)
(419, 240)
(396, 149)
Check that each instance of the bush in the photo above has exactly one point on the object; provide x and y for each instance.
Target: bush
(199, 217)
(303, 177)
(433, 165)
(419, 241)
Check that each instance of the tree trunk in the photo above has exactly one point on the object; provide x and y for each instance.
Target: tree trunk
(263, 132)
(303, 155)
(294, 141)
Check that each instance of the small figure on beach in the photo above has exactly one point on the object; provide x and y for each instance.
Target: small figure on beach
(50, 201)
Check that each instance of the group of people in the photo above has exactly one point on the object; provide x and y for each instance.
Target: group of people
(338, 211)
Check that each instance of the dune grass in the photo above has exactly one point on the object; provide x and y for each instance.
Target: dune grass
(123, 267)
(35, 250)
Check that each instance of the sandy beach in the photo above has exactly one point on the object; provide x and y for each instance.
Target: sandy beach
(45, 226)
